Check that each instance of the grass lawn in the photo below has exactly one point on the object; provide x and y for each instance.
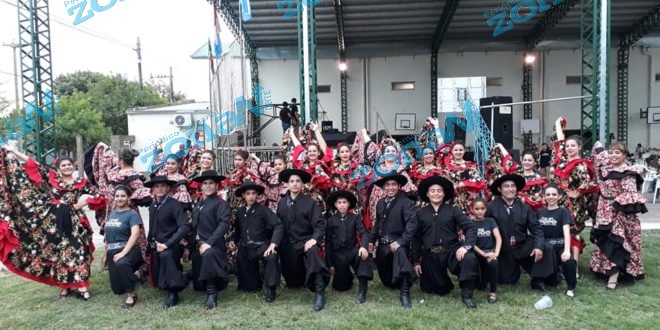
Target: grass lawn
(28, 305)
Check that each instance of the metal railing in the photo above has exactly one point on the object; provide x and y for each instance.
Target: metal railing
(225, 155)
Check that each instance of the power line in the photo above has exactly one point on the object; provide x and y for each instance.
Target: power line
(82, 30)
(9, 73)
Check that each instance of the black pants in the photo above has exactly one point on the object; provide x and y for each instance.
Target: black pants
(568, 268)
(393, 267)
(489, 273)
(520, 256)
(211, 266)
(345, 259)
(166, 269)
(434, 277)
(300, 268)
(254, 269)
(121, 273)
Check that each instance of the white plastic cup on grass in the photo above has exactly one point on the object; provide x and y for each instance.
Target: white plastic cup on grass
(543, 303)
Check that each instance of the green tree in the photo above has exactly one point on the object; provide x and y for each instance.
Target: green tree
(78, 117)
(110, 95)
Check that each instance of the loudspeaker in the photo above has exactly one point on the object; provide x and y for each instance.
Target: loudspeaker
(333, 139)
(503, 119)
(326, 125)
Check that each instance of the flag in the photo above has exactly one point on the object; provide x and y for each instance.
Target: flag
(217, 47)
(246, 10)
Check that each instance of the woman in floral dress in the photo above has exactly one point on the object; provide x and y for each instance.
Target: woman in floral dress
(199, 161)
(44, 234)
(341, 169)
(378, 162)
(463, 174)
(617, 232)
(315, 160)
(577, 177)
(269, 175)
(501, 163)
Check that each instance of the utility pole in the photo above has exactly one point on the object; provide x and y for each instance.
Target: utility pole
(171, 77)
(138, 50)
(15, 45)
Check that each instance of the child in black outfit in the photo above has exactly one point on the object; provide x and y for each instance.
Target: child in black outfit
(489, 243)
(346, 242)
(556, 223)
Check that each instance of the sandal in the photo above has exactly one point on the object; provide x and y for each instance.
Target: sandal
(492, 298)
(611, 285)
(84, 295)
(127, 305)
(570, 293)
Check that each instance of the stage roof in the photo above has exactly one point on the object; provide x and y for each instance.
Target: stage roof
(407, 27)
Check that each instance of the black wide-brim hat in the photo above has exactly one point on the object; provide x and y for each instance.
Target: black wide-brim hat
(286, 174)
(209, 175)
(517, 179)
(426, 184)
(399, 178)
(159, 179)
(352, 201)
(249, 185)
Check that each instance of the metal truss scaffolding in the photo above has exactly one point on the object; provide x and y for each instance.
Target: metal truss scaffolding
(232, 19)
(441, 29)
(311, 42)
(341, 44)
(650, 21)
(590, 87)
(37, 79)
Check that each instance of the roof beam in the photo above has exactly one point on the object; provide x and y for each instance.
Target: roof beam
(445, 19)
(645, 25)
(547, 22)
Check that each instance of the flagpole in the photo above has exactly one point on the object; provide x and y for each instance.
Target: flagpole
(240, 33)
(211, 119)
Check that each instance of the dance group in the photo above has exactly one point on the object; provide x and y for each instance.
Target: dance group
(306, 217)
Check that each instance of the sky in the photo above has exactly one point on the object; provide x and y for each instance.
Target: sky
(169, 33)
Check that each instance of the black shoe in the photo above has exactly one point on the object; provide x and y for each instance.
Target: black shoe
(405, 295)
(466, 294)
(271, 294)
(538, 284)
(211, 301)
(319, 297)
(126, 305)
(171, 300)
(492, 298)
(362, 292)
(85, 295)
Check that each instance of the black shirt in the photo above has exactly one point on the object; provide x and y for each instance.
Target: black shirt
(342, 232)
(398, 222)
(544, 158)
(119, 224)
(301, 218)
(167, 222)
(440, 228)
(284, 115)
(258, 224)
(486, 233)
(553, 221)
(210, 220)
(516, 222)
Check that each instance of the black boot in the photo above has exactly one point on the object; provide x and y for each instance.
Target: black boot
(466, 294)
(211, 295)
(362, 291)
(271, 294)
(405, 294)
(171, 300)
(539, 284)
(319, 298)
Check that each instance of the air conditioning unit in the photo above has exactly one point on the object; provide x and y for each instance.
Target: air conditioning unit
(183, 120)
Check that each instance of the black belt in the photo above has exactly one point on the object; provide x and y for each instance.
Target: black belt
(248, 243)
(386, 240)
(558, 241)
